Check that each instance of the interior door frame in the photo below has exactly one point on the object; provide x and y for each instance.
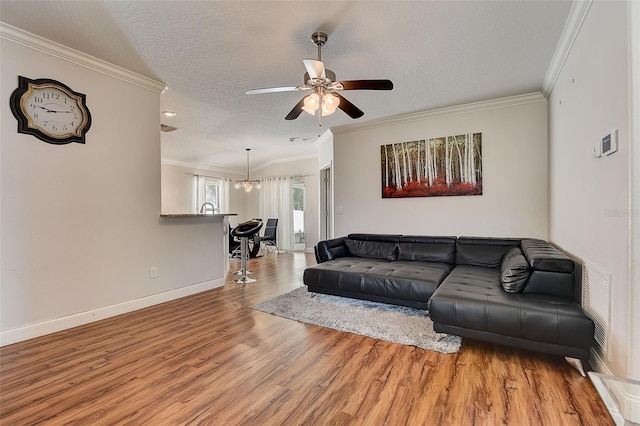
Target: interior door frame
(326, 203)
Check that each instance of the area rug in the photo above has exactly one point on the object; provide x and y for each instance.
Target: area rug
(396, 324)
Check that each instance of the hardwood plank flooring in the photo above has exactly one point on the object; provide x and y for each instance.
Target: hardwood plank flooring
(209, 359)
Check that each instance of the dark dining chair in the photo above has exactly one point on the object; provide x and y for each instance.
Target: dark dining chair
(270, 237)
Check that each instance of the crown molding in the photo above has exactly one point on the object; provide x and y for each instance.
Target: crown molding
(577, 14)
(202, 166)
(234, 171)
(443, 112)
(284, 160)
(41, 44)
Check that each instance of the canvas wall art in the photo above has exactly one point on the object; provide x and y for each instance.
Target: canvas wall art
(446, 166)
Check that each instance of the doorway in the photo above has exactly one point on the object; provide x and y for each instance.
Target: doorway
(326, 231)
(298, 216)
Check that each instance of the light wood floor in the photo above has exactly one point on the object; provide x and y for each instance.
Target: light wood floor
(209, 359)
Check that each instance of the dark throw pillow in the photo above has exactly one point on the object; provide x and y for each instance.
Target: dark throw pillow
(514, 271)
(372, 249)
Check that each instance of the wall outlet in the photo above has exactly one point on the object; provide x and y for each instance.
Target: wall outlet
(153, 272)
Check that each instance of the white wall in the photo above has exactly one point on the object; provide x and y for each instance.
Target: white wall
(325, 150)
(589, 206)
(514, 164)
(80, 224)
(325, 161)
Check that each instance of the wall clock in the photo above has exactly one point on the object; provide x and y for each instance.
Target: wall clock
(50, 111)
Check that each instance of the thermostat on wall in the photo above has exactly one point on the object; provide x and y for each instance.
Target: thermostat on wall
(610, 143)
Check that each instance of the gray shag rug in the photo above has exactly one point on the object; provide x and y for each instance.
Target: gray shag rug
(391, 323)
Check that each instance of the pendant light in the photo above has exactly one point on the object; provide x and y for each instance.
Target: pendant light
(247, 184)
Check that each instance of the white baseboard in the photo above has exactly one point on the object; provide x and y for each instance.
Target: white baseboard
(598, 364)
(52, 326)
(622, 401)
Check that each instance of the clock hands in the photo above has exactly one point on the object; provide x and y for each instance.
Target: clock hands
(53, 110)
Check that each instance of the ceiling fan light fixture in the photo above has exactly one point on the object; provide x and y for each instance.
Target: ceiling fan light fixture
(329, 104)
(311, 103)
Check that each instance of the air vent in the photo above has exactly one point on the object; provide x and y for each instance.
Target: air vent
(165, 128)
(596, 290)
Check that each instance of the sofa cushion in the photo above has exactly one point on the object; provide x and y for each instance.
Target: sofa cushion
(427, 249)
(372, 249)
(514, 271)
(486, 252)
(408, 283)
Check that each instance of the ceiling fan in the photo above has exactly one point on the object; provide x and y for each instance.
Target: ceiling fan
(321, 82)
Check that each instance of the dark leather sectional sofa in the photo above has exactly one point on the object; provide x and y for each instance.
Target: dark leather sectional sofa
(516, 292)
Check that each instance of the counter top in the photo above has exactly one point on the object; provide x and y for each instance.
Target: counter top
(190, 215)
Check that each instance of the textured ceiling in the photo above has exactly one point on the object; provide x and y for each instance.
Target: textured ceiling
(208, 53)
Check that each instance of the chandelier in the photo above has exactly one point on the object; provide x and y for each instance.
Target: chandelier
(247, 184)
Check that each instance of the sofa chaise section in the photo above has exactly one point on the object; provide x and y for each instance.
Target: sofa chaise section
(472, 303)
(541, 314)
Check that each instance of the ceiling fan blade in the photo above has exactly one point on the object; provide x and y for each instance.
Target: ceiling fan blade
(273, 90)
(351, 110)
(367, 85)
(296, 111)
(314, 68)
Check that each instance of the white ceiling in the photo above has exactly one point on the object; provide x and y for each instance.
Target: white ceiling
(208, 53)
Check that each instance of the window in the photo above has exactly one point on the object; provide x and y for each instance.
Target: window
(210, 190)
(212, 193)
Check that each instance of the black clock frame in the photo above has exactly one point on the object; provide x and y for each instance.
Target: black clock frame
(23, 121)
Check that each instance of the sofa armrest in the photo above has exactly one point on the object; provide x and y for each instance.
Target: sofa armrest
(552, 271)
(331, 249)
(543, 256)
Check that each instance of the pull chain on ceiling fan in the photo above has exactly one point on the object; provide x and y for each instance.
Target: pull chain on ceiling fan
(324, 99)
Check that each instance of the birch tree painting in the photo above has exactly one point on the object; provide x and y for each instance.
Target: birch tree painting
(450, 165)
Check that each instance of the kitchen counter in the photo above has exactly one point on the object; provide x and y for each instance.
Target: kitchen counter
(192, 215)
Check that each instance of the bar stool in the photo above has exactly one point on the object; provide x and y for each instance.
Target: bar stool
(244, 231)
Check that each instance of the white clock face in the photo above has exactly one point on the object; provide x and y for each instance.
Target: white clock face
(53, 111)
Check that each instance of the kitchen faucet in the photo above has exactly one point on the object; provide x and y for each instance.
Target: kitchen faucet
(204, 209)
